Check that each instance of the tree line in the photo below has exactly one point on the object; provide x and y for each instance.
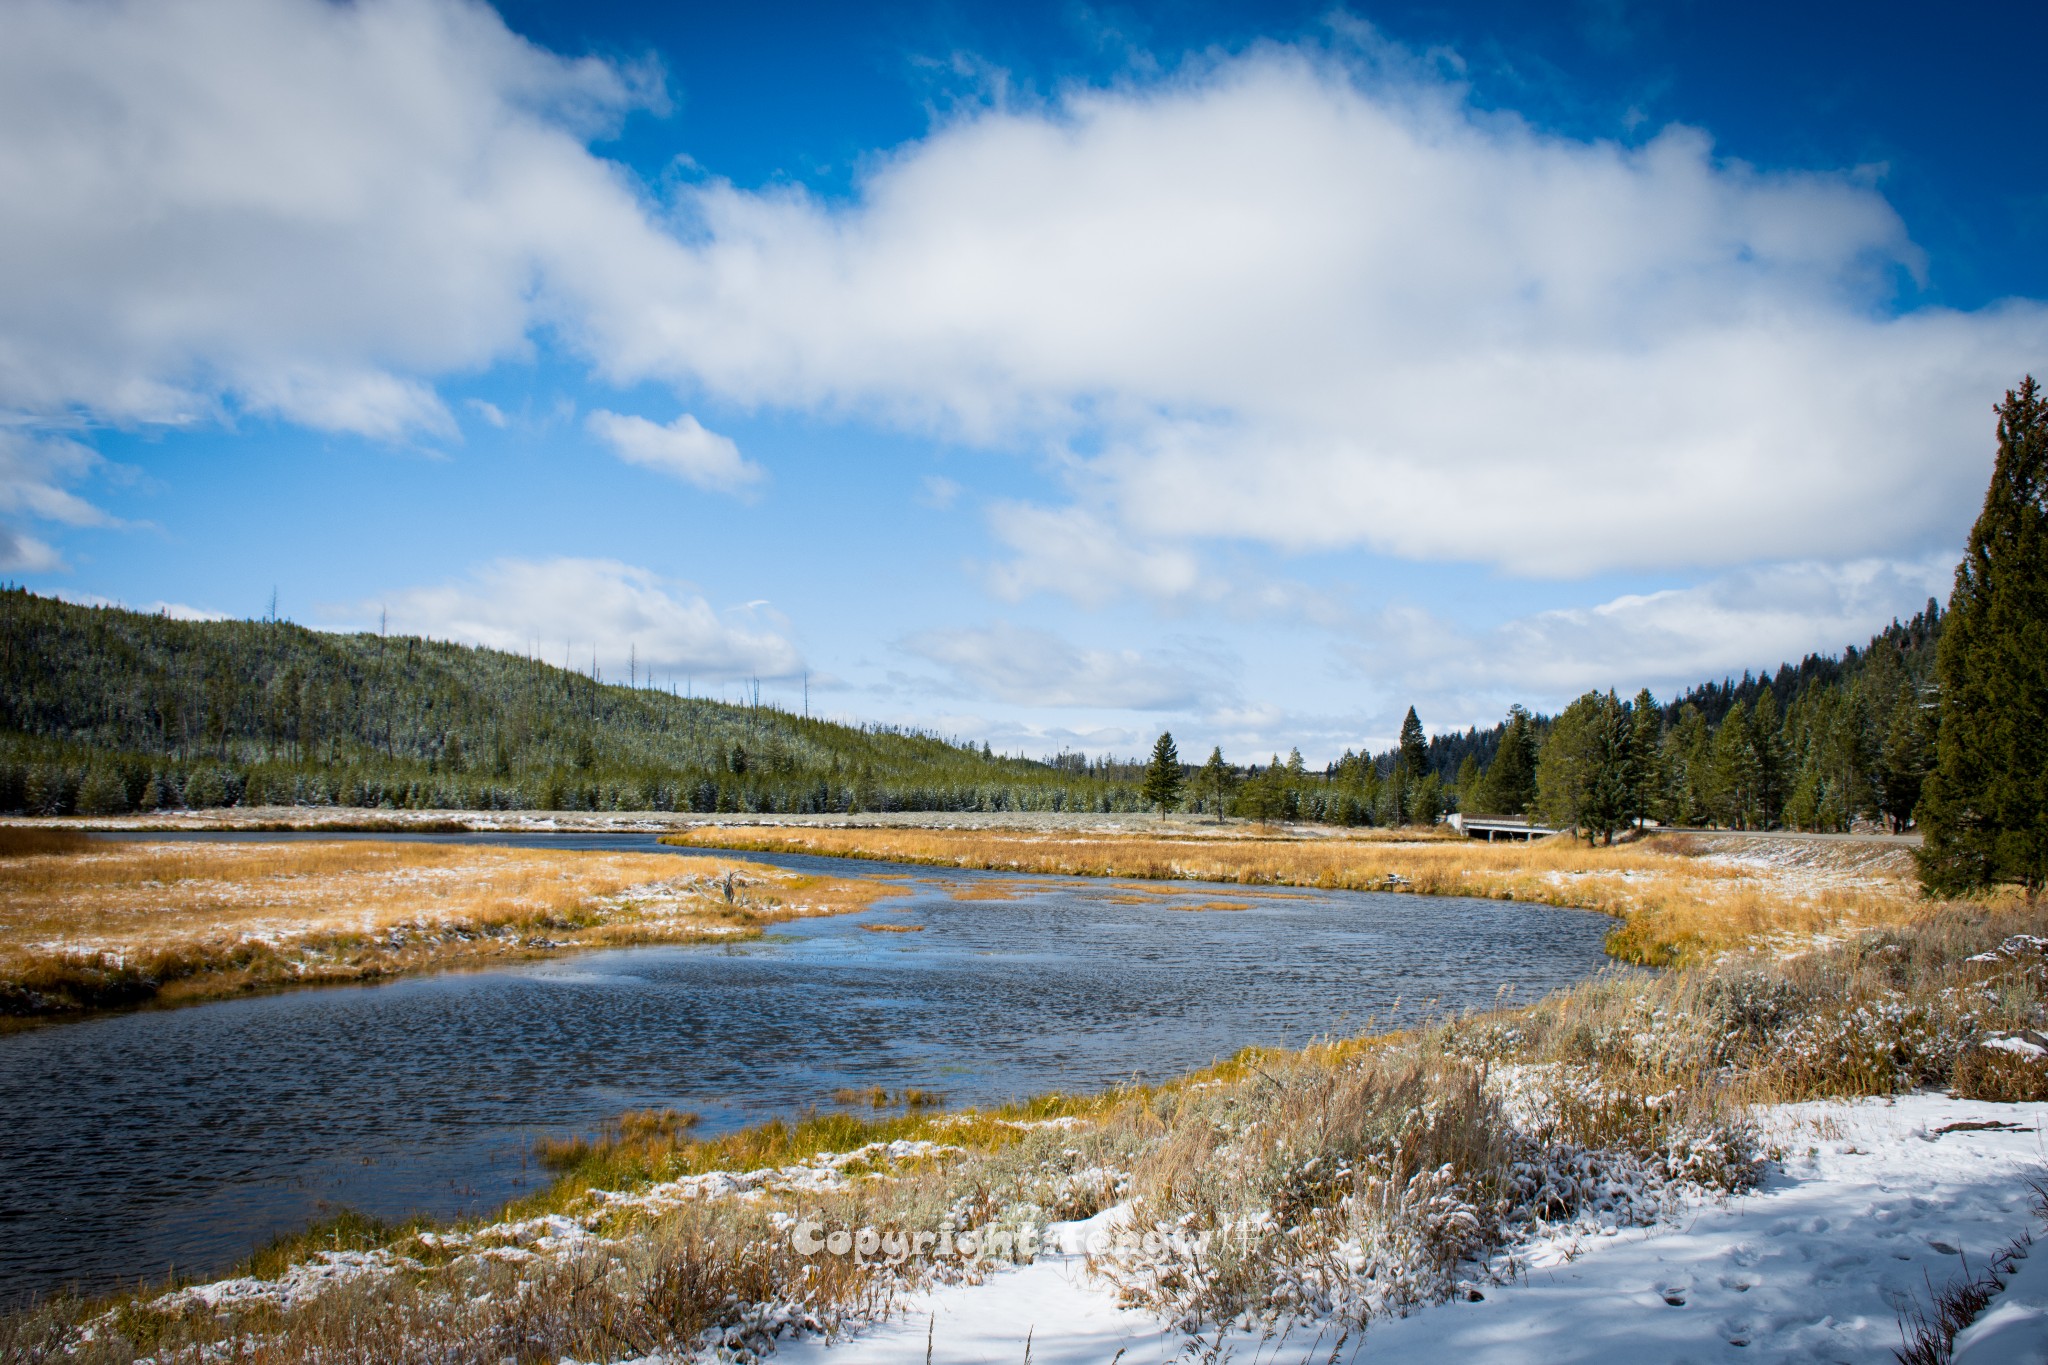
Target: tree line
(104, 711)
(1940, 721)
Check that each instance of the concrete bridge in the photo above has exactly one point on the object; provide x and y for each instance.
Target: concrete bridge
(1492, 827)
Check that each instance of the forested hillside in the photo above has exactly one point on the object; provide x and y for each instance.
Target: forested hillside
(104, 710)
(1817, 745)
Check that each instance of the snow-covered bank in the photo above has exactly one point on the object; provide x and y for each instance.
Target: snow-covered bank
(1872, 1202)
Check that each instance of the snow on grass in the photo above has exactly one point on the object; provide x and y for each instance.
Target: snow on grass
(1871, 1202)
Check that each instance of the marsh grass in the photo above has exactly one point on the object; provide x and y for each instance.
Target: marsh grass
(88, 924)
(17, 841)
(1680, 898)
(1343, 1182)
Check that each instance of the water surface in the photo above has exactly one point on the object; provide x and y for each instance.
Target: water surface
(140, 1142)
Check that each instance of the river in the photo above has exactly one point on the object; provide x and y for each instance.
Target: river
(138, 1143)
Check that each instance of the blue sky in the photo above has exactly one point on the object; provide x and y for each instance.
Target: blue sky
(1043, 374)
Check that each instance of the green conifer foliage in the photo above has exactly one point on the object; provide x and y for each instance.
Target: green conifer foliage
(1163, 777)
(1646, 769)
(1582, 773)
(1414, 746)
(1213, 782)
(1985, 806)
(1510, 784)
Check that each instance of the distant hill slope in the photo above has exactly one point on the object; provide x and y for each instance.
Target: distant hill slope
(106, 710)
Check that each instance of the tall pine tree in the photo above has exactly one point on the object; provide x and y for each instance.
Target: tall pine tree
(1985, 806)
(1163, 777)
(1414, 746)
(1510, 783)
(1214, 782)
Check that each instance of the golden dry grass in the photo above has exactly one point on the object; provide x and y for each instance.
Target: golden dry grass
(1679, 897)
(85, 924)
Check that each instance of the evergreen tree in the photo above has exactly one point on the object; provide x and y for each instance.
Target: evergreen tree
(1768, 747)
(1510, 784)
(1163, 777)
(1688, 750)
(1414, 746)
(1429, 800)
(1469, 780)
(1390, 803)
(1646, 769)
(1582, 772)
(102, 792)
(1902, 762)
(1985, 806)
(1214, 782)
(1735, 771)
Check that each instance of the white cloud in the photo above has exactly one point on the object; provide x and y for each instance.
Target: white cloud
(21, 552)
(1074, 552)
(1304, 296)
(1755, 618)
(1290, 299)
(1036, 668)
(288, 206)
(34, 474)
(682, 448)
(622, 613)
(177, 611)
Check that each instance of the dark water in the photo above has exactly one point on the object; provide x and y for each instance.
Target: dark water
(132, 1144)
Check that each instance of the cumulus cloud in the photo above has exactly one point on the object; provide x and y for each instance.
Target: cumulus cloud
(1756, 617)
(1301, 295)
(1286, 297)
(1036, 668)
(683, 448)
(288, 206)
(620, 612)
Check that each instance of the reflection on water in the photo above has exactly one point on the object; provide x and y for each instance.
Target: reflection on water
(185, 1137)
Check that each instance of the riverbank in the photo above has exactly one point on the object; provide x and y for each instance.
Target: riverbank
(1872, 1202)
(1327, 1191)
(384, 820)
(1679, 897)
(92, 925)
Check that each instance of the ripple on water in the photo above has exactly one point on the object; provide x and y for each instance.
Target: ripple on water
(185, 1137)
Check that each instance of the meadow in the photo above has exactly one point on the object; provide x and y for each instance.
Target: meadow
(1677, 897)
(1359, 1179)
(1352, 1181)
(87, 924)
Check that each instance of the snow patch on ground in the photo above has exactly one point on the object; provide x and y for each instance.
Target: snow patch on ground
(2014, 1329)
(1871, 1202)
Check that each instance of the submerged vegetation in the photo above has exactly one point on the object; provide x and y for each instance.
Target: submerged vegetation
(88, 924)
(1343, 1183)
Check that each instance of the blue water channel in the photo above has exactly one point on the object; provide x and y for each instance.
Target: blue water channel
(138, 1143)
